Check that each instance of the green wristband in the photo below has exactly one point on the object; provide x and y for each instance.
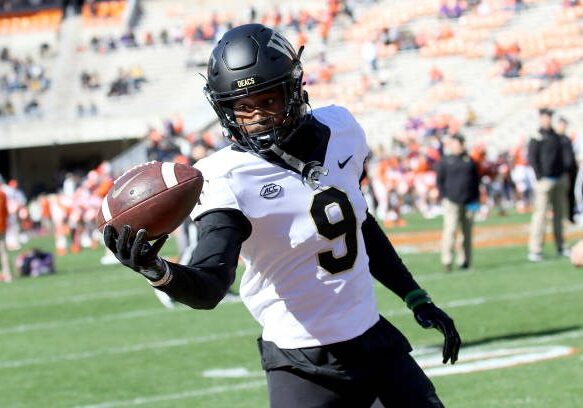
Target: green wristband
(416, 297)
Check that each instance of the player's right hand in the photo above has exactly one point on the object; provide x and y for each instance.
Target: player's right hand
(137, 253)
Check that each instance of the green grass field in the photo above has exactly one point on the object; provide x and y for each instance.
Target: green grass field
(97, 336)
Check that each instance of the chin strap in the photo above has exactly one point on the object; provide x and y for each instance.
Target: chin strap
(310, 171)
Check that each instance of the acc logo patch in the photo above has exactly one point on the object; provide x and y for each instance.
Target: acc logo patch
(270, 191)
(242, 83)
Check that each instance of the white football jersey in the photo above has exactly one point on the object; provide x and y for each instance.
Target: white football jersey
(306, 280)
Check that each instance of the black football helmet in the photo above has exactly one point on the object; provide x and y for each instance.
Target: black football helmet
(249, 59)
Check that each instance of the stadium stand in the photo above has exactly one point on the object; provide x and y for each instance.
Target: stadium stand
(411, 72)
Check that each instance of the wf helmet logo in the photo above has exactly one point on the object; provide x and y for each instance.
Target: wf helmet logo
(278, 42)
(270, 191)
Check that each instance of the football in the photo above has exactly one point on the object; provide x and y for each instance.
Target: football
(155, 196)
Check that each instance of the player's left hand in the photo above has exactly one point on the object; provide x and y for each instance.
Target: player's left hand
(428, 315)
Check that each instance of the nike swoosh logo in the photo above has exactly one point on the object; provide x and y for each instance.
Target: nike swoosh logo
(117, 191)
(341, 165)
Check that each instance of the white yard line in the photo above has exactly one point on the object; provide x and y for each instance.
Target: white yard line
(242, 333)
(149, 312)
(23, 328)
(126, 349)
(221, 389)
(55, 324)
(260, 383)
(186, 341)
(112, 294)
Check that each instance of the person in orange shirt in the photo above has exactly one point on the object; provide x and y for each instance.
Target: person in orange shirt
(4, 263)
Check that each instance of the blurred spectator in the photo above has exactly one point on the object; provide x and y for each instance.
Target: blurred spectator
(148, 38)
(4, 263)
(16, 201)
(346, 9)
(23, 76)
(370, 55)
(164, 36)
(512, 50)
(32, 107)
(501, 184)
(519, 5)
(389, 36)
(137, 77)
(90, 80)
(80, 110)
(522, 177)
(120, 86)
(458, 182)
(93, 109)
(70, 184)
(569, 166)
(546, 156)
(7, 109)
(128, 39)
(445, 32)
(435, 75)
(4, 54)
(511, 67)
(86, 110)
(552, 70)
(44, 49)
(127, 82)
(471, 117)
(450, 9)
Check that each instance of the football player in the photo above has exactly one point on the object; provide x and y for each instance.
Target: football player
(285, 196)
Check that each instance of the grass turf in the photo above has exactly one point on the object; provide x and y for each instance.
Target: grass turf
(95, 335)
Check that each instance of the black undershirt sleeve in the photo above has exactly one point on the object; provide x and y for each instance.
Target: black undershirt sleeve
(384, 263)
(204, 281)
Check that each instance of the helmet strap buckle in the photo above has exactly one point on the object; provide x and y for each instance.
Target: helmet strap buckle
(310, 172)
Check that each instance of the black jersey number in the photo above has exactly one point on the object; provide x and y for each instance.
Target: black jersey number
(332, 224)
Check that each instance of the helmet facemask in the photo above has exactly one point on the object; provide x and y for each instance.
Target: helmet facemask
(276, 127)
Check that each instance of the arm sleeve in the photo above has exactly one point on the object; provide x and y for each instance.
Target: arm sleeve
(204, 282)
(533, 157)
(384, 263)
(441, 178)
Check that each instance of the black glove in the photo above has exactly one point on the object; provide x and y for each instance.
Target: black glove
(137, 253)
(428, 315)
